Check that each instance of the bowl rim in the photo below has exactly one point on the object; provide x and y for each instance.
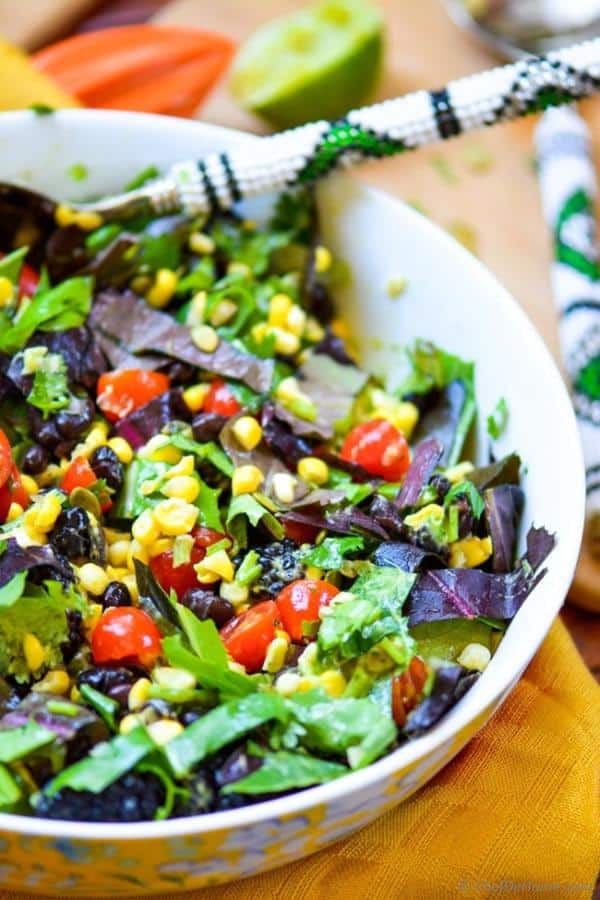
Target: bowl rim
(491, 691)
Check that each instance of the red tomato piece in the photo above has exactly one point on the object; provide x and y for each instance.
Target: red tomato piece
(220, 400)
(247, 637)
(28, 281)
(12, 491)
(407, 689)
(205, 537)
(300, 533)
(126, 634)
(178, 578)
(379, 448)
(300, 602)
(6, 460)
(79, 474)
(121, 392)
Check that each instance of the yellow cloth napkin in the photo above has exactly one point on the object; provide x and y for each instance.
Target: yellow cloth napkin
(516, 814)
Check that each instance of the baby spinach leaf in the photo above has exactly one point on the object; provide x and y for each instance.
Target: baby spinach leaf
(284, 771)
(13, 589)
(245, 508)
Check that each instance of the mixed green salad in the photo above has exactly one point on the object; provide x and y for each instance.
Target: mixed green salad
(233, 564)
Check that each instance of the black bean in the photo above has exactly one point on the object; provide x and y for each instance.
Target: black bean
(34, 460)
(114, 681)
(206, 426)
(206, 605)
(189, 716)
(72, 422)
(105, 463)
(181, 373)
(116, 594)
(75, 636)
(71, 533)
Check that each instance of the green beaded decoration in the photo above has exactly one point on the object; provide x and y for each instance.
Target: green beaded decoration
(343, 138)
(588, 380)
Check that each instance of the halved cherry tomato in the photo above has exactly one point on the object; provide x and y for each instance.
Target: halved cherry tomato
(300, 533)
(379, 448)
(247, 637)
(299, 603)
(126, 634)
(12, 491)
(120, 392)
(6, 460)
(220, 400)
(183, 577)
(28, 279)
(81, 474)
(407, 689)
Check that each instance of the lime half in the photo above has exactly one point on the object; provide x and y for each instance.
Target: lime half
(316, 63)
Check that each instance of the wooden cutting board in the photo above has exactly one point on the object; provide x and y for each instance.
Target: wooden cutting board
(32, 23)
(501, 206)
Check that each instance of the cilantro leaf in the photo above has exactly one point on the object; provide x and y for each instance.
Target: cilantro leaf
(498, 419)
(50, 390)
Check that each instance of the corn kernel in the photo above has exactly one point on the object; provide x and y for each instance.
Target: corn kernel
(14, 511)
(34, 652)
(307, 661)
(296, 321)
(284, 487)
(185, 466)
(144, 529)
(333, 683)
(75, 694)
(164, 731)
(313, 331)
(197, 308)
(237, 594)
(218, 563)
(279, 308)
(289, 391)
(259, 332)
(246, 480)
(313, 469)
(158, 449)
(93, 578)
(470, 552)
(458, 473)
(248, 432)
(205, 338)
(475, 657)
(162, 290)
(195, 396)
(174, 516)
(130, 582)
(314, 572)
(323, 259)
(287, 684)
(173, 679)
(223, 312)
(140, 284)
(33, 358)
(30, 484)
(201, 243)
(128, 723)
(433, 513)
(7, 291)
(92, 615)
(54, 682)
(162, 545)
(280, 633)
(239, 268)
(286, 343)
(137, 551)
(122, 449)
(275, 655)
(139, 694)
(87, 221)
(206, 577)
(307, 683)
(97, 436)
(184, 487)
(42, 516)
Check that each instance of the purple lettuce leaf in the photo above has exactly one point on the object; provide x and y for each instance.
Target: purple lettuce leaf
(503, 508)
(83, 357)
(450, 684)
(503, 471)
(407, 557)
(353, 520)
(207, 426)
(278, 435)
(83, 724)
(17, 559)
(142, 424)
(540, 544)
(441, 416)
(426, 457)
(334, 347)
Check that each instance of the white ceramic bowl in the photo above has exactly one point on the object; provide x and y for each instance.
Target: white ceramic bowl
(451, 299)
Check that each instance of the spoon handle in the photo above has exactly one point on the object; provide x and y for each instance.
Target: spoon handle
(304, 154)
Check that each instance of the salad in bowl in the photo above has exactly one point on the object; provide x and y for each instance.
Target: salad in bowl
(234, 563)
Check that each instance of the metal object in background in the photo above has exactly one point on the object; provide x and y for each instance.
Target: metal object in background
(307, 153)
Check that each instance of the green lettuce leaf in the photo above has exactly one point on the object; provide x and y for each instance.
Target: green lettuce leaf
(284, 771)
(332, 552)
(210, 673)
(50, 389)
(16, 743)
(246, 509)
(11, 264)
(65, 306)
(10, 792)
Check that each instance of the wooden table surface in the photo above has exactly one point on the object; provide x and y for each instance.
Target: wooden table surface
(499, 208)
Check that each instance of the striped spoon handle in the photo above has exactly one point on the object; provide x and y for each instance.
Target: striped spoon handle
(304, 154)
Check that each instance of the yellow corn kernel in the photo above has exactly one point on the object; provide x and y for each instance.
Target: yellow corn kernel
(307, 683)
(275, 655)
(197, 308)
(75, 694)
(42, 516)
(323, 259)
(162, 545)
(93, 578)
(115, 573)
(54, 682)
(140, 284)
(289, 391)
(246, 480)
(112, 535)
(122, 449)
(308, 659)
(279, 308)
(223, 312)
(173, 679)
(97, 436)
(218, 563)
(206, 577)
(475, 657)
(185, 487)
(433, 513)
(118, 553)
(237, 594)
(340, 328)
(284, 487)
(7, 291)
(333, 683)
(88, 221)
(14, 511)
(313, 469)
(158, 449)
(34, 652)
(139, 694)
(470, 552)
(239, 268)
(33, 358)
(201, 243)
(195, 396)
(164, 731)
(185, 466)
(92, 615)
(205, 338)
(283, 635)
(458, 473)
(248, 432)
(162, 290)
(287, 684)
(313, 331)
(259, 332)
(30, 484)
(174, 516)
(296, 320)
(286, 343)
(137, 551)
(314, 572)
(144, 529)
(249, 225)
(128, 723)
(130, 582)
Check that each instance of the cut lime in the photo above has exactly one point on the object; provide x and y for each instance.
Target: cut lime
(313, 64)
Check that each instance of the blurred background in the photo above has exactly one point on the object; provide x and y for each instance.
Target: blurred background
(276, 63)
